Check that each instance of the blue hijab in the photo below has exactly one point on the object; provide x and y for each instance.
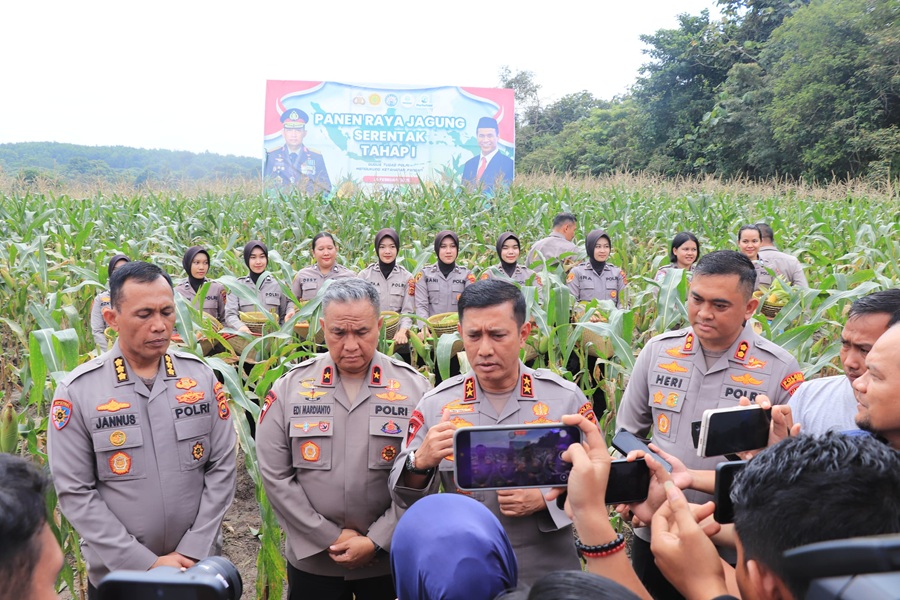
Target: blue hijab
(466, 557)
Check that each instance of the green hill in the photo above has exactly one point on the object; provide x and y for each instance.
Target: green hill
(71, 162)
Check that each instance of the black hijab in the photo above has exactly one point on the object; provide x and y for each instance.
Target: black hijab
(438, 239)
(189, 256)
(248, 249)
(386, 268)
(112, 264)
(508, 268)
(589, 243)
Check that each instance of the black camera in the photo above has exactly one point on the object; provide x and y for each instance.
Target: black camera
(213, 578)
(866, 568)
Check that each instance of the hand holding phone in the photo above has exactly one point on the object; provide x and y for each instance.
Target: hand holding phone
(731, 430)
(725, 473)
(625, 442)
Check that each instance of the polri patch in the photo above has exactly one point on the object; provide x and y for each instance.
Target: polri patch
(270, 399)
(60, 413)
(587, 411)
(415, 424)
(792, 382)
(197, 451)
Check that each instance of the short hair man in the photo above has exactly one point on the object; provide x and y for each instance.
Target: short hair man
(499, 390)
(711, 364)
(803, 490)
(328, 433)
(141, 445)
(876, 389)
(557, 245)
(295, 165)
(829, 403)
(490, 168)
(30, 558)
(785, 265)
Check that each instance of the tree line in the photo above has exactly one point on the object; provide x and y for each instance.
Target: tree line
(773, 88)
(71, 162)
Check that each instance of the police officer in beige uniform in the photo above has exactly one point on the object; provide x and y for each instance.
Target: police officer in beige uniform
(269, 293)
(310, 279)
(101, 301)
(141, 443)
(559, 242)
(596, 278)
(711, 364)
(438, 286)
(499, 390)
(784, 264)
(196, 265)
(508, 249)
(396, 286)
(328, 434)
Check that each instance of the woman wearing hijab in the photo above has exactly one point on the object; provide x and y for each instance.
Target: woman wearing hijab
(508, 249)
(595, 277)
(310, 279)
(396, 286)
(101, 301)
(256, 257)
(196, 265)
(438, 286)
(470, 560)
(683, 254)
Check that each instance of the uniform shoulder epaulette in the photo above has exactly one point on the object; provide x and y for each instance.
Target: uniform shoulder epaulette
(403, 365)
(449, 383)
(278, 149)
(312, 150)
(548, 375)
(305, 363)
(671, 334)
(371, 266)
(189, 356)
(772, 348)
(83, 368)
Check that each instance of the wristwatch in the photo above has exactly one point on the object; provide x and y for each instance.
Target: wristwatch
(411, 465)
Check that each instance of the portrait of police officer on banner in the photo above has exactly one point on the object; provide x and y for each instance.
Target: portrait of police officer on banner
(294, 164)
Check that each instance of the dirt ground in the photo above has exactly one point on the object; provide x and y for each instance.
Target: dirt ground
(241, 546)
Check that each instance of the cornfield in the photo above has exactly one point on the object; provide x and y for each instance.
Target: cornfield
(54, 248)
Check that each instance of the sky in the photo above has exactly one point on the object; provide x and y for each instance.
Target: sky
(190, 75)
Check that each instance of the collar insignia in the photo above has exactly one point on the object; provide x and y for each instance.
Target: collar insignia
(527, 389)
(469, 389)
(121, 373)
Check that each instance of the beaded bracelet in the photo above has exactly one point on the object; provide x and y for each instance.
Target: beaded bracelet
(603, 549)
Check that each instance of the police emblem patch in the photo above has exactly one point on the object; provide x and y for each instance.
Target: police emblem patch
(224, 411)
(388, 453)
(792, 382)
(189, 397)
(186, 383)
(197, 451)
(415, 423)
(470, 278)
(117, 438)
(411, 287)
(309, 451)
(587, 411)
(60, 413)
(120, 463)
(270, 399)
(662, 424)
(658, 397)
(391, 395)
(113, 406)
(391, 428)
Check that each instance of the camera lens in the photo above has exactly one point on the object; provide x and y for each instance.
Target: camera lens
(224, 571)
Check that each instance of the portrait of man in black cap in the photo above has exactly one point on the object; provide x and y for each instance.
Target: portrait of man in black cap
(295, 165)
(491, 167)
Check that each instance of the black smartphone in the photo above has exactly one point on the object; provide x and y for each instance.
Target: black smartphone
(725, 473)
(625, 442)
(736, 429)
(628, 482)
(512, 456)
